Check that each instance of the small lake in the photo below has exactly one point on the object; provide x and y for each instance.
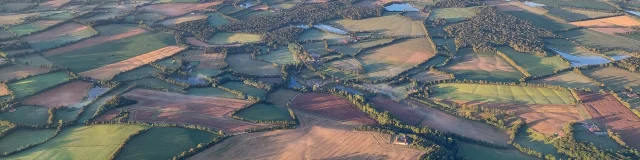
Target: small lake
(330, 29)
(247, 5)
(633, 12)
(534, 4)
(96, 91)
(577, 61)
(401, 7)
(348, 90)
(293, 83)
(303, 26)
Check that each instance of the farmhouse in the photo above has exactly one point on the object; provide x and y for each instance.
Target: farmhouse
(401, 139)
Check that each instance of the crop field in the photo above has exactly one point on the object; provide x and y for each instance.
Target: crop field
(84, 59)
(568, 79)
(546, 119)
(148, 18)
(473, 150)
(66, 95)
(280, 56)
(210, 92)
(502, 94)
(23, 137)
(316, 34)
(233, 38)
(572, 15)
(167, 107)
(622, 21)
(16, 6)
(393, 59)
(173, 141)
(600, 40)
(28, 28)
(452, 14)
(315, 48)
(354, 49)
(144, 71)
(330, 139)
(207, 60)
(608, 111)
(327, 105)
(482, 66)
(155, 83)
(215, 19)
(243, 63)
(614, 31)
(82, 142)
(19, 71)
(29, 86)
(265, 112)
(614, 78)
(419, 114)
(108, 33)
(65, 33)
(541, 21)
(30, 115)
(12, 19)
(246, 89)
(33, 60)
(430, 76)
(346, 64)
(185, 18)
(109, 71)
(392, 25)
(281, 97)
(569, 47)
(533, 64)
(596, 5)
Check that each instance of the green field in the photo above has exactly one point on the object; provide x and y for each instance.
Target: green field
(535, 140)
(233, 38)
(315, 48)
(601, 40)
(316, 34)
(243, 63)
(32, 85)
(90, 110)
(111, 52)
(33, 60)
(501, 94)
(23, 137)
(354, 49)
(44, 44)
(280, 56)
(568, 79)
(473, 151)
(452, 14)
(541, 21)
(533, 64)
(68, 114)
(482, 66)
(577, 4)
(82, 142)
(163, 143)
(215, 19)
(143, 71)
(246, 89)
(149, 18)
(210, 92)
(63, 16)
(265, 112)
(31, 115)
(28, 28)
(394, 58)
(575, 15)
(155, 83)
(614, 78)
(582, 134)
(391, 25)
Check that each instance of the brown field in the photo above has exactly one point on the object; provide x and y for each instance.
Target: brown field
(420, 114)
(330, 106)
(391, 60)
(608, 111)
(207, 60)
(430, 76)
(260, 7)
(176, 9)
(54, 3)
(65, 95)
(612, 31)
(94, 41)
(624, 21)
(181, 19)
(281, 97)
(4, 90)
(194, 41)
(11, 19)
(19, 71)
(315, 138)
(64, 29)
(167, 107)
(503, 5)
(107, 72)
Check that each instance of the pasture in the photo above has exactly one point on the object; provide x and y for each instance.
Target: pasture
(265, 112)
(354, 49)
(541, 21)
(13, 19)
(596, 5)
(154, 83)
(316, 48)
(30, 115)
(533, 64)
(601, 40)
(19, 71)
(144, 71)
(210, 92)
(481, 66)
(281, 97)
(530, 138)
(583, 134)
(568, 79)
(452, 15)
(176, 9)
(473, 150)
(59, 35)
(108, 33)
(430, 76)
(617, 21)
(163, 143)
(35, 26)
(91, 109)
(66, 95)
(69, 114)
(391, 60)
(347, 64)
(23, 137)
(501, 94)
(572, 15)
(33, 60)
(280, 56)
(109, 71)
(391, 25)
(82, 142)
(331, 139)
(206, 60)
(32, 85)
(330, 106)
(245, 89)
(234, 38)
(243, 63)
(149, 18)
(215, 19)
(614, 78)
(396, 92)
(85, 59)
(316, 34)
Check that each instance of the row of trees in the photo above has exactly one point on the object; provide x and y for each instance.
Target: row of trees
(458, 3)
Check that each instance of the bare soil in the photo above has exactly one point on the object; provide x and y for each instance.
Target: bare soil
(65, 95)
(330, 106)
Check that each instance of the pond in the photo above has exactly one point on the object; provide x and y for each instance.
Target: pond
(96, 91)
(330, 29)
(577, 61)
(293, 83)
(534, 4)
(633, 12)
(401, 7)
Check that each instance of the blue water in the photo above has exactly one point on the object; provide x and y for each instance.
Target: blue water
(534, 4)
(401, 7)
(293, 83)
(96, 91)
(633, 12)
(577, 61)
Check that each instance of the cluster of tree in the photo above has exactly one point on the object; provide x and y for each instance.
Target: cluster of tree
(259, 84)
(116, 102)
(301, 14)
(458, 3)
(567, 145)
(492, 27)
(200, 28)
(232, 50)
(282, 36)
(514, 64)
(14, 45)
(631, 64)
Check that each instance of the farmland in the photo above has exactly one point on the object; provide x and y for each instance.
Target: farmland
(535, 65)
(243, 63)
(473, 150)
(29, 86)
(281, 97)
(176, 9)
(572, 15)
(182, 19)
(23, 137)
(541, 21)
(568, 79)
(482, 66)
(246, 89)
(622, 21)
(108, 33)
(233, 38)
(60, 35)
(393, 59)
(392, 25)
(327, 105)
(265, 112)
(330, 138)
(109, 71)
(31, 115)
(608, 111)
(597, 39)
(614, 78)
(143, 71)
(502, 94)
(316, 34)
(176, 140)
(215, 19)
(452, 14)
(24, 29)
(66, 95)
(207, 60)
(279, 56)
(211, 92)
(19, 71)
(354, 49)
